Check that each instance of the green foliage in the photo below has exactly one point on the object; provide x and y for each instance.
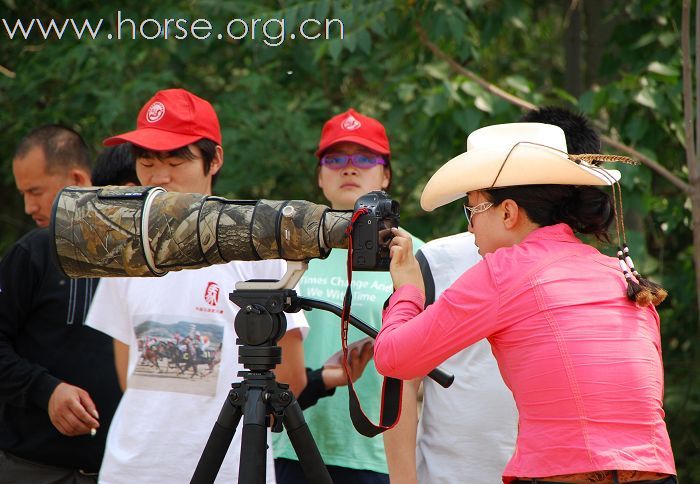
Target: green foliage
(272, 102)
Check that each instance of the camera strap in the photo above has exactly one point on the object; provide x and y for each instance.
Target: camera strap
(391, 387)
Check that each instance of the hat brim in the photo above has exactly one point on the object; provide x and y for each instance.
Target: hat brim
(354, 139)
(153, 139)
(527, 164)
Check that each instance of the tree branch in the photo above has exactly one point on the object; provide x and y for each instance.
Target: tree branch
(697, 82)
(7, 72)
(495, 90)
(688, 94)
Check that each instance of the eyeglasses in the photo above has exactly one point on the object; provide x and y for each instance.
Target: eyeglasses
(337, 161)
(469, 212)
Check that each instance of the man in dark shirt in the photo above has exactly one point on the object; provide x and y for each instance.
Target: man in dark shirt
(58, 384)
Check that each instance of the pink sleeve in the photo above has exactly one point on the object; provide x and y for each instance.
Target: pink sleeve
(412, 343)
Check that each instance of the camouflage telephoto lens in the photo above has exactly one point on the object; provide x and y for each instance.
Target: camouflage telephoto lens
(146, 231)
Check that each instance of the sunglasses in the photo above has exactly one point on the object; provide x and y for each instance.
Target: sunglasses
(359, 160)
(469, 212)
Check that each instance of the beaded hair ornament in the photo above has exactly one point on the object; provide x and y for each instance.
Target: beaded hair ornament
(639, 289)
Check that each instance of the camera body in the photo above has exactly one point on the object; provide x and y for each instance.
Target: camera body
(371, 232)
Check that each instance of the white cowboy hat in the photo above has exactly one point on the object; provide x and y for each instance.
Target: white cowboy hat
(512, 154)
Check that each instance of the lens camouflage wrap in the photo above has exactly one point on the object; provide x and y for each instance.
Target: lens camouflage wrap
(145, 231)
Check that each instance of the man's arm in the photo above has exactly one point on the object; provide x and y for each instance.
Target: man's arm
(400, 442)
(121, 362)
(22, 382)
(291, 370)
(322, 382)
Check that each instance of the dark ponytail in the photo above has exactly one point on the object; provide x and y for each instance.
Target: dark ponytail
(586, 209)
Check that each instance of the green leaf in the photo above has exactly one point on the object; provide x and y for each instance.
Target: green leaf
(471, 88)
(519, 83)
(645, 98)
(467, 119)
(335, 46)
(565, 95)
(435, 70)
(645, 40)
(484, 102)
(406, 92)
(586, 102)
(668, 39)
(364, 41)
(323, 7)
(636, 128)
(662, 69)
(435, 103)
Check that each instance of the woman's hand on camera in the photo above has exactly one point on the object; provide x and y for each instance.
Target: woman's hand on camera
(404, 267)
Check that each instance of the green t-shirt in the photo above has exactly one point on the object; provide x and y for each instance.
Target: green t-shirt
(329, 420)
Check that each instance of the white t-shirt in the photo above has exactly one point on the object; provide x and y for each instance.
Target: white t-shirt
(171, 404)
(470, 428)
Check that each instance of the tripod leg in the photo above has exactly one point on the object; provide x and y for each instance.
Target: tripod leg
(217, 445)
(304, 445)
(254, 439)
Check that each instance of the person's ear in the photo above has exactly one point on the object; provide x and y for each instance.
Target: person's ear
(79, 177)
(386, 178)
(217, 162)
(511, 213)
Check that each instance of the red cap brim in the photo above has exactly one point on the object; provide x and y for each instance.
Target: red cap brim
(354, 139)
(153, 139)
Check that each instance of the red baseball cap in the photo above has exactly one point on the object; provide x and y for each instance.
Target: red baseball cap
(356, 128)
(171, 119)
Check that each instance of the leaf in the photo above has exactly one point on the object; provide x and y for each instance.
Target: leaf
(322, 10)
(565, 95)
(335, 46)
(519, 83)
(406, 92)
(436, 71)
(467, 119)
(471, 88)
(636, 128)
(435, 103)
(662, 69)
(364, 41)
(586, 102)
(645, 40)
(484, 103)
(645, 98)
(667, 39)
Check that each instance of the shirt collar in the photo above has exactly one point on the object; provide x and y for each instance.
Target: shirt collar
(558, 232)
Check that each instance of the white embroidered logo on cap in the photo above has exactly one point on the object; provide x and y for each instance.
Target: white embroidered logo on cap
(350, 123)
(155, 112)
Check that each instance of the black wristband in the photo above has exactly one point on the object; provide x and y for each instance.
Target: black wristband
(314, 389)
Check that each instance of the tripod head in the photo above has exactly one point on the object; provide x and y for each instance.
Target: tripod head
(261, 322)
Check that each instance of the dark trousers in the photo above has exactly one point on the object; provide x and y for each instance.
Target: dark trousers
(15, 470)
(289, 471)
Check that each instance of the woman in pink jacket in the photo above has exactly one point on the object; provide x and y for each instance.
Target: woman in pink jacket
(575, 337)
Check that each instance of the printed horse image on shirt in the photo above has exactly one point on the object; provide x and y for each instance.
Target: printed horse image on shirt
(181, 357)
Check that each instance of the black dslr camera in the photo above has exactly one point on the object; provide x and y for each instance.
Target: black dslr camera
(371, 232)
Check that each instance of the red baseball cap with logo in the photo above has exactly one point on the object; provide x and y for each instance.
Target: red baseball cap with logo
(171, 119)
(354, 127)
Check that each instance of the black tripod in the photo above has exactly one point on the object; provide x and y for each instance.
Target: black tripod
(259, 325)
